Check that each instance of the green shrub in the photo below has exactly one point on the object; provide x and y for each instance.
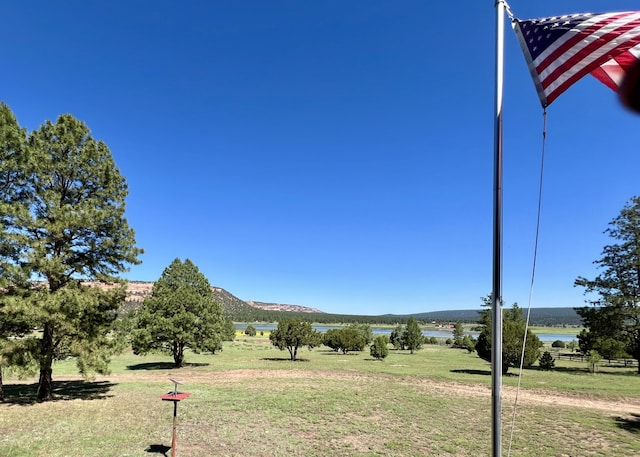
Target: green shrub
(558, 344)
(379, 349)
(593, 358)
(547, 362)
(469, 343)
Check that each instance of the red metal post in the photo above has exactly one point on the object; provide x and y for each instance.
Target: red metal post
(175, 397)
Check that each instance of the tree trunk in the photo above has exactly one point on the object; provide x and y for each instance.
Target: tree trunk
(45, 383)
(178, 354)
(1, 386)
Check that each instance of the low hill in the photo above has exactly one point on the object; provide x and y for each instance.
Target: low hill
(539, 316)
(235, 309)
(253, 311)
(232, 307)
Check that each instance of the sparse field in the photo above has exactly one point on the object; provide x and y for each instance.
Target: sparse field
(249, 400)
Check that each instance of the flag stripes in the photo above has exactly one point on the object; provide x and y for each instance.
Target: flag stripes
(561, 50)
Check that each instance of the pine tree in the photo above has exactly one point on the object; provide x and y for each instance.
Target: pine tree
(13, 158)
(458, 333)
(513, 331)
(63, 224)
(613, 317)
(547, 362)
(412, 336)
(180, 314)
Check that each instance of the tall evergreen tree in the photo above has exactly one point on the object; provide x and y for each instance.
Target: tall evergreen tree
(181, 313)
(412, 336)
(396, 337)
(513, 332)
(613, 314)
(63, 224)
(13, 158)
(458, 333)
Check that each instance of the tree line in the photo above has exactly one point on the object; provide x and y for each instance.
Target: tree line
(612, 319)
(62, 224)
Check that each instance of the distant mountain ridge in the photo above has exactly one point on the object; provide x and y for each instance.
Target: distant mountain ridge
(254, 311)
(539, 316)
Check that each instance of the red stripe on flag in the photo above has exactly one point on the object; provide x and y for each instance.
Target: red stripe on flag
(587, 69)
(611, 74)
(575, 39)
(593, 47)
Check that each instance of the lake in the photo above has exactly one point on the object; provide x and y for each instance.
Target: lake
(443, 333)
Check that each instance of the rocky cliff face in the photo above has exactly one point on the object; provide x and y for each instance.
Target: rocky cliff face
(281, 307)
(138, 290)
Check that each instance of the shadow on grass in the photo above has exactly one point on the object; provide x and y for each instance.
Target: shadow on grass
(26, 394)
(470, 371)
(604, 369)
(630, 424)
(162, 366)
(569, 370)
(341, 353)
(509, 374)
(158, 449)
(284, 359)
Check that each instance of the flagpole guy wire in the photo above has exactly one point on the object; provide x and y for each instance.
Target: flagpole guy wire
(496, 294)
(533, 275)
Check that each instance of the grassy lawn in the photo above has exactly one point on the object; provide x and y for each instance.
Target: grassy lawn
(570, 331)
(249, 400)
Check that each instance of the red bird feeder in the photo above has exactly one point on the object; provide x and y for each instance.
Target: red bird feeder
(175, 397)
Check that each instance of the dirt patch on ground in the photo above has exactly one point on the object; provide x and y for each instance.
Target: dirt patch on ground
(525, 396)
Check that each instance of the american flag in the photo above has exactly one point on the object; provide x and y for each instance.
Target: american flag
(560, 50)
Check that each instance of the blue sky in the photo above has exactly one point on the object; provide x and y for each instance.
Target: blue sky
(334, 154)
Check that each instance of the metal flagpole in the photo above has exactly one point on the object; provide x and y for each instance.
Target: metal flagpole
(496, 294)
